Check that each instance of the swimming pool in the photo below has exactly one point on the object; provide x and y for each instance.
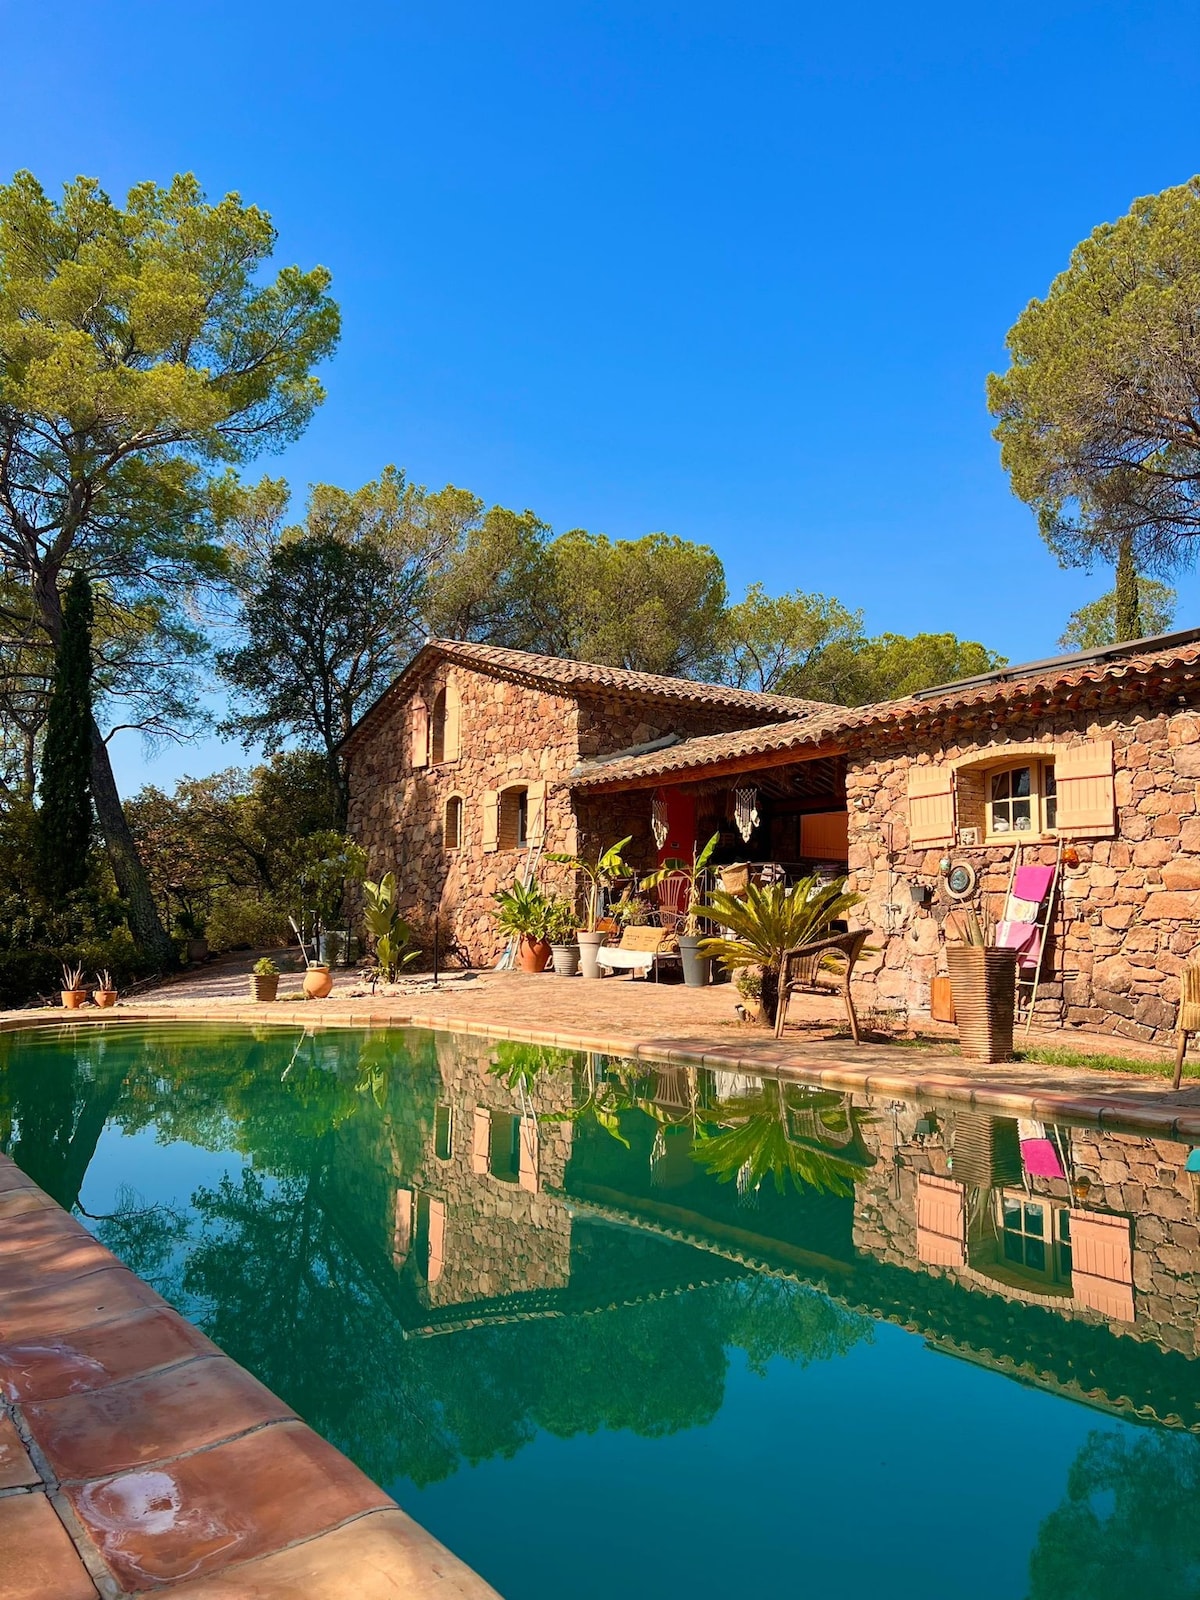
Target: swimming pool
(608, 1328)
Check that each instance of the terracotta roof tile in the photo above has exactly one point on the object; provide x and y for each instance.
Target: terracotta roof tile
(839, 724)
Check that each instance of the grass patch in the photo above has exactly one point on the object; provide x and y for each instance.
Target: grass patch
(1056, 1056)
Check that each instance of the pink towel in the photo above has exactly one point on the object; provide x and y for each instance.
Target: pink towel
(1031, 883)
(1023, 937)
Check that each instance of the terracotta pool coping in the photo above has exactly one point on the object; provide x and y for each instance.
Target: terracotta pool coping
(1144, 1113)
(137, 1458)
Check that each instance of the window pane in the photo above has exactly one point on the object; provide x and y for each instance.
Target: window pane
(1034, 1221)
(1049, 782)
(1000, 789)
(1012, 1213)
(1051, 811)
(1012, 1247)
(1020, 781)
(1035, 1255)
(1064, 1225)
(1000, 823)
(1021, 814)
(1064, 1260)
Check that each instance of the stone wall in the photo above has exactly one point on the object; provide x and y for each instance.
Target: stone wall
(1128, 915)
(509, 734)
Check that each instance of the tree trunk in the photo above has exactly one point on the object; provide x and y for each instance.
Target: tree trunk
(148, 931)
(1128, 623)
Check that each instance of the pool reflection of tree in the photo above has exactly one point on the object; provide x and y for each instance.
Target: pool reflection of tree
(1128, 1526)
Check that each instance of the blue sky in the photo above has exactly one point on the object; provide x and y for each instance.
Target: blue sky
(735, 273)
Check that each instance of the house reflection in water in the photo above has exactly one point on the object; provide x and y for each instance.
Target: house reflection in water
(1061, 1255)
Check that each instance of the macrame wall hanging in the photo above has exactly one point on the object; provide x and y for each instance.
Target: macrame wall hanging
(658, 821)
(745, 811)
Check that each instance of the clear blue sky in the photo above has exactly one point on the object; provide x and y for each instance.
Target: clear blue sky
(737, 273)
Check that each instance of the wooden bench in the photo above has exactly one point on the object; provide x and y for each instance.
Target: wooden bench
(640, 950)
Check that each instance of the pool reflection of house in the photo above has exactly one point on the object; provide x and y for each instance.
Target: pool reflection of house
(1085, 1282)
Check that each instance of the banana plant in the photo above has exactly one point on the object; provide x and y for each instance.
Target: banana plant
(693, 872)
(394, 946)
(597, 872)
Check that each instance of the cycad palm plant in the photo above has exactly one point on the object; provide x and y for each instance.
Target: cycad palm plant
(769, 922)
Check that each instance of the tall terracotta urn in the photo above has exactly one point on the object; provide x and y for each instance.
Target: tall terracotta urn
(318, 982)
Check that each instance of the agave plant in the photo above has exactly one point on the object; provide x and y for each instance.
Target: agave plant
(769, 922)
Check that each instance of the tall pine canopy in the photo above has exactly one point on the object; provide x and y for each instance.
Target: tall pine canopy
(65, 817)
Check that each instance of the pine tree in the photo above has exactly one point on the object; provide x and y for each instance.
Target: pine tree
(65, 790)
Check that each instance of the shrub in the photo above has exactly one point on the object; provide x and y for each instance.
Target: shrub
(245, 919)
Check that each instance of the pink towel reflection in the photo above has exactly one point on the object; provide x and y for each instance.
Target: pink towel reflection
(1031, 883)
(1040, 1159)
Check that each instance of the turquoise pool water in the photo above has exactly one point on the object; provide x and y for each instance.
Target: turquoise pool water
(611, 1330)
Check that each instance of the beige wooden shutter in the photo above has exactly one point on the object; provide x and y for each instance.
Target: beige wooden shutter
(437, 1240)
(452, 737)
(491, 820)
(535, 814)
(1102, 1264)
(941, 1221)
(930, 806)
(402, 1227)
(1083, 773)
(420, 734)
(527, 1167)
(481, 1139)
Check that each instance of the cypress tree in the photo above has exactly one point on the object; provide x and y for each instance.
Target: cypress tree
(65, 815)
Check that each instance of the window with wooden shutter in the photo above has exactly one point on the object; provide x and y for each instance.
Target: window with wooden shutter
(527, 1162)
(941, 1221)
(1083, 777)
(491, 820)
(420, 733)
(535, 815)
(481, 1139)
(437, 1240)
(1102, 1264)
(452, 729)
(402, 1227)
(930, 806)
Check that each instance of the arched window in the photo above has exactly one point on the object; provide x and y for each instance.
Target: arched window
(452, 827)
(444, 724)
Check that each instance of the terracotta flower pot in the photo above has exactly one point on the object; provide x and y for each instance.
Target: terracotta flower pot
(983, 982)
(264, 988)
(105, 998)
(318, 982)
(72, 999)
(534, 954)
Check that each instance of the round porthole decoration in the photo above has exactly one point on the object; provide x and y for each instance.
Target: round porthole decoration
(961, 881)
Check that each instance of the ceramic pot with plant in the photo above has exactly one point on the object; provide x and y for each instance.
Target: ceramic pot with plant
(690, 876)
(105, 992)
(73, 991)
(522, 913)
(597, 873)
(318, 981)
(560, 930)
(264, 981)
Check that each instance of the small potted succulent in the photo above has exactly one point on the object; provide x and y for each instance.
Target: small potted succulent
(522, 913)
(264, 981)
(560, 930)
(73, 991)
(597, 872)
(105, 992)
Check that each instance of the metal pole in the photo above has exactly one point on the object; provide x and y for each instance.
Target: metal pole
(436, 950)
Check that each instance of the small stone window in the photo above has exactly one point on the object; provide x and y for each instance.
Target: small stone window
(444, 720)
(443, 1132)
(504, 1155)
(452, 826)
(512, 830)
(1021, 799)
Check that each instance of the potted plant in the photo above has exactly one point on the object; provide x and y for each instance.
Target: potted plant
(983, 984)
(560, 930)
(73, 992)
(522, 913)
(264, 981)
(105, 992)
(696, 966)
(394, 944)
(769, 922)
(597, 872)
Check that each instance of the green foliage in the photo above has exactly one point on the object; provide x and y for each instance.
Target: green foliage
(598, 872)
(65, 819)
(694, 871)
(758, 1136)
(394, 947)
(1095, 624)
(523, 912)
(1098, 415)
(799, 639)
(561, 920)
(769, 922)
(264, 967)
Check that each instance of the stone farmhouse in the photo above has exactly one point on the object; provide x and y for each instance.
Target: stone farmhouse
(479, 758)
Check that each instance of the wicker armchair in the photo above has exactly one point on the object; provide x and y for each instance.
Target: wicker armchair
(801, 965)
(1188, 1021)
